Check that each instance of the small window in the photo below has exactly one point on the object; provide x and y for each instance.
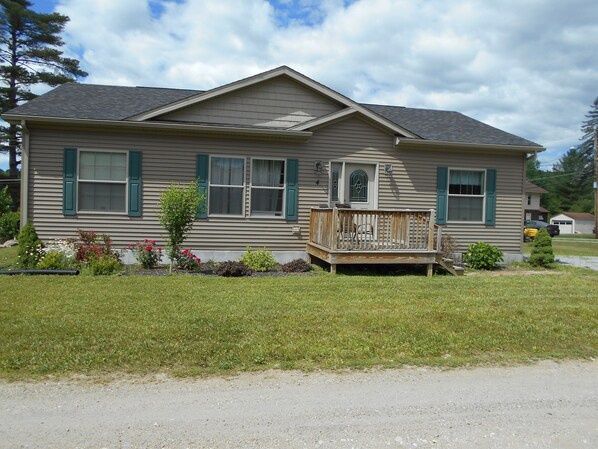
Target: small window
(529, 200)
(466, 195)
(267, 187)
(334, 182)
(227, 185)
(102, 181)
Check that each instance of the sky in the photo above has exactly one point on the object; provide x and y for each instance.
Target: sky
(527, 67)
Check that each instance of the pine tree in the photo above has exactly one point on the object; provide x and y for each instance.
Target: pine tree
(29, 55)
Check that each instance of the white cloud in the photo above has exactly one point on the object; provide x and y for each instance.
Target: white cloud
(4, 161)
(527, 67)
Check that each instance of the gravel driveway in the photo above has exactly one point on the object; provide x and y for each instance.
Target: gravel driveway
(546, 405)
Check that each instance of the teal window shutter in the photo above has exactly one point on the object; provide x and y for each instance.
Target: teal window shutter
(491, 197)
(441, 194)
(135, 184)
(202, 173)
(69, 183)
(292, 190)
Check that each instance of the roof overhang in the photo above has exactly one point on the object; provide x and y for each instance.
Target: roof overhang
(190, 127)
(437, 144)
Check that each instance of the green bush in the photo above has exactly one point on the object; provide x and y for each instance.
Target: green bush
(259, 260)
(542, 254)
(233, 269)
(296, 266)
(5, 201)
(482, 256)
(55, 261)
(178, 207)
(30, 248)
(9, 226)
(105, 265)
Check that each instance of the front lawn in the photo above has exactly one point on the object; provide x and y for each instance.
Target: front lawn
(190, 325)
(569, 247)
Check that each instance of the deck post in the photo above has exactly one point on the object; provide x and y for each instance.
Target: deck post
(430, 270)
(431, 230)
(332, 268)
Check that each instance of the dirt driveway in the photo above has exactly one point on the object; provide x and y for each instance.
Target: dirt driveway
(546, 405)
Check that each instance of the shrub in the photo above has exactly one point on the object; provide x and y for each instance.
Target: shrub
(542, 254)
(178, 207)
(54, 261)
(448, 246)
(9, 226)
(208, 267)
(30, 248)
(296, 266)
(233, 269)
(481, 256)
(259, 260)
(5, 201)
(148, 254)
(105, 265)
(186, 260)
(91, 246)
(58, 255)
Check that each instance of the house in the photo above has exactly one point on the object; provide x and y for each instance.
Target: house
(266, 150)
(531, 202)
(575, 222)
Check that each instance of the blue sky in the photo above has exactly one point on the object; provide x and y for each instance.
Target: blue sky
(529, 68)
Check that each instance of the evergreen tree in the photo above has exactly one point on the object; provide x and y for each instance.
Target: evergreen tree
(29, 55)
(542, 254)
(572, 182)
(588, 134)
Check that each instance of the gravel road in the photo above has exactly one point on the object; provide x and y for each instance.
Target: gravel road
(546, 405)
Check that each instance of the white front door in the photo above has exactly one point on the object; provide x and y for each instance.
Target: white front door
(360, 185)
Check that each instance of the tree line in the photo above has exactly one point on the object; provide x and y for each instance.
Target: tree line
(570, 181)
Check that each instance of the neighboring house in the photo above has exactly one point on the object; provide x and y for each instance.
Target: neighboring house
(531, 202)
(575, 222)
(266, 149)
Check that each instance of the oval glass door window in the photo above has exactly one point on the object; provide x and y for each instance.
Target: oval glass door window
(358, 187)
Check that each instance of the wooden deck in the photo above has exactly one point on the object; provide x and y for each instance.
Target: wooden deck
(352, 236)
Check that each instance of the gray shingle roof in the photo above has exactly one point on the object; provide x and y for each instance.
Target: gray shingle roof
(449, 126)
(99, 102)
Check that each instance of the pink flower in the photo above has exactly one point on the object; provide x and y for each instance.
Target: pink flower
(159, 248)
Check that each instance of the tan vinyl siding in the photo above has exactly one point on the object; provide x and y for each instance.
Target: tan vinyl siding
(278, 103)
(169, 157)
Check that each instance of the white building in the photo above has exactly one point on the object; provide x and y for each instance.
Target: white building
(574, 222)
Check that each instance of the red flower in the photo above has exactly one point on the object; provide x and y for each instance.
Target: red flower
(148, 248)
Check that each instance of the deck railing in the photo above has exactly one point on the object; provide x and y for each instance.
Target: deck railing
(374, 230)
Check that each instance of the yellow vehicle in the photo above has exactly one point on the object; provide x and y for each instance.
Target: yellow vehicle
(529, 233)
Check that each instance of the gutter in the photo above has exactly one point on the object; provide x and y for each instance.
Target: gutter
(467, 146)
(207, 129)
(24, 173)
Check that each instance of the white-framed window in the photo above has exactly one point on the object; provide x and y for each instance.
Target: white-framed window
(226, 186)
(102, 181)
(267, 187)
(466, 195)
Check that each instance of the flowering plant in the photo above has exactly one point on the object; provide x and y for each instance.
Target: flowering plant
(91, 246)
(186, 260)
(148, 254)
(64, 247)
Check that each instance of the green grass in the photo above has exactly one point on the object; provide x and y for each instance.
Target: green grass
(569, 247)
(187, 325)
(576, 236)
(8, 256)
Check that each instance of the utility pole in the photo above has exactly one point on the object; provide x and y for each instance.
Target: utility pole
(596, 181)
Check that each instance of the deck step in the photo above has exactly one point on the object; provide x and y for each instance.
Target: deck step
(448, 265)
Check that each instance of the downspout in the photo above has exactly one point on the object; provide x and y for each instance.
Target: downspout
(24, 173)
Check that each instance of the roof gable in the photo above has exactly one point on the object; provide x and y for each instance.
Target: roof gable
(279, 102)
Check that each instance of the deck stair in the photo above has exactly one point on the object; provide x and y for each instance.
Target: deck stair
(448, 265)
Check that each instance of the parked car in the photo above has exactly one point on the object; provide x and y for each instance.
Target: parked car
(552, 229)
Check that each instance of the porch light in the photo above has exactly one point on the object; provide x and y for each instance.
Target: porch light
(388, 169)
(318, 166)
